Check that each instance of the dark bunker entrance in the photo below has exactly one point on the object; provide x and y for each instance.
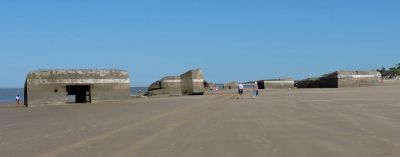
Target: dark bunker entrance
(261, 84)
(79, 94)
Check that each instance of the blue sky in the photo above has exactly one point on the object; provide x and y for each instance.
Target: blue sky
(228, 39)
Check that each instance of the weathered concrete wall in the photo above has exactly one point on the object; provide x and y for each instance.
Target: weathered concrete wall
(328, 81)
(193, 82)
(189, 83)
(154, 86)
(49, 86)
(170, 85)
(308, 83)
(358, 78)
(339, 79)
(276, 83)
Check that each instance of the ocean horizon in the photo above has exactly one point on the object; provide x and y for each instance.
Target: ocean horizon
(7, 95)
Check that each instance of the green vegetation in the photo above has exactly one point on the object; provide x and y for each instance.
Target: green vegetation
(390, 73)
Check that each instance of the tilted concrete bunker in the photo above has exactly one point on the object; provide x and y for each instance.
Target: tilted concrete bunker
(189, 83)
(76, 86)
(170, 85)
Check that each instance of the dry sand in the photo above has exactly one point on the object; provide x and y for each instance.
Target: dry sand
(353, 122)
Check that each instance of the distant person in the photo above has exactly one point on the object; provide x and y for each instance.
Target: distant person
(240, 90)
(255, 90)
(17, 100)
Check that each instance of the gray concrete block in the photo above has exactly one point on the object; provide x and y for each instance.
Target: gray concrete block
(340, 79)
(88, 85)
(189, 83)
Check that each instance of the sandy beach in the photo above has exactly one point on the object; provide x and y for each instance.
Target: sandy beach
(354, 122)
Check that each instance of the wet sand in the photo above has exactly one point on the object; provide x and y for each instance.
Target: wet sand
(354, 122)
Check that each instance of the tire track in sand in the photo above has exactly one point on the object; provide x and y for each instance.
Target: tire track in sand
(86, 142)
(171, 127)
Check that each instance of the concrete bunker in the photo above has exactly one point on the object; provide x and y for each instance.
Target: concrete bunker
(231, 85)
(55, 87)
(276, 83)
(189, 83)
(312, 82)
(339, 79)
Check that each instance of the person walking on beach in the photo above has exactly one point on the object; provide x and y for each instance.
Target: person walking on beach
(255, 90)
(17, 100)
(240, 90)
